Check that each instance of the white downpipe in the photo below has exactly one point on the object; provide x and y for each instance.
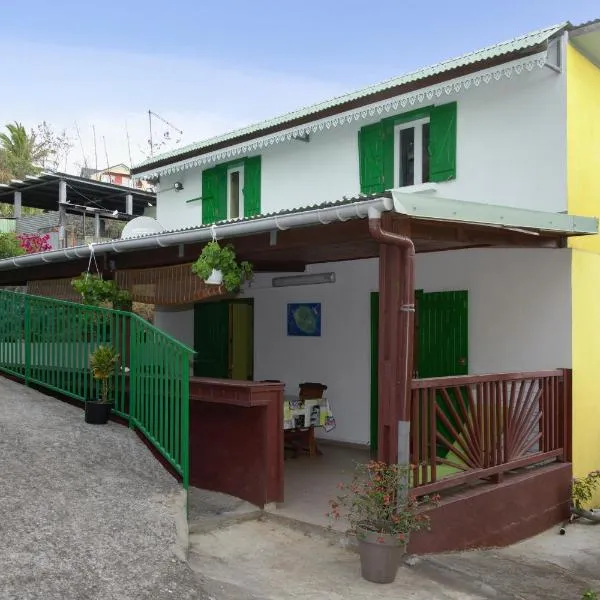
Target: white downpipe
(357, 210)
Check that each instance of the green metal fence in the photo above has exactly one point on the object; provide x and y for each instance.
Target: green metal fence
(48, 342)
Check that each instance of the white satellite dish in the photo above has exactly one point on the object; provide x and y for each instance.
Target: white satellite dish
(141, 226)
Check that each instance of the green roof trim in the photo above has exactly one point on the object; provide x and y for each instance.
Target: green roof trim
(524, 42)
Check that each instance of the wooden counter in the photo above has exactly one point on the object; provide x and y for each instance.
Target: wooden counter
(236, 438)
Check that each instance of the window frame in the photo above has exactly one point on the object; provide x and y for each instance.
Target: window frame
(417, 125)
(239, 168)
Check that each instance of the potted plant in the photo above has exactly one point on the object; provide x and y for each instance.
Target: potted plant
(382, 513)
(96, 291)
(217, 265)
(103, 362)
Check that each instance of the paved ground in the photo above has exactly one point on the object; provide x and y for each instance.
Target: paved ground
(86, 512)
(272, 561)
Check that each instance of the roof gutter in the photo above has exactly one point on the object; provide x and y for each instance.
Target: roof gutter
(319, 216)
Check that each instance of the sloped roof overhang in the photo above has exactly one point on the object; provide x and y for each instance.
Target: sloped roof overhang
(417, 206)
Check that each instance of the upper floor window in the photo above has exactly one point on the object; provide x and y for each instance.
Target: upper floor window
(235, 192)
(408, 149)
(231, 190)
(411, 153)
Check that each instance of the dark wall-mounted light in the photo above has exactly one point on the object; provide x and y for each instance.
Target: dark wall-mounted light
(178, 186)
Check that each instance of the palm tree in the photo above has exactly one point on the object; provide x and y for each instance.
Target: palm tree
(21, 152)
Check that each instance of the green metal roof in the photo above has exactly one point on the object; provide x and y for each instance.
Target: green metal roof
(524, 42)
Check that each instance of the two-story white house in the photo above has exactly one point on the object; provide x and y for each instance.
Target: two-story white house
(488, 128)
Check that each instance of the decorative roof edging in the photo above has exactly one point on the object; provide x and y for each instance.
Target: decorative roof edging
(444, 89)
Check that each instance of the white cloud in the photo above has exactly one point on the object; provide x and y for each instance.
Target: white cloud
(109, 89)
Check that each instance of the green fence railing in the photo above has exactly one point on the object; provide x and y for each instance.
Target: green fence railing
(48, 342)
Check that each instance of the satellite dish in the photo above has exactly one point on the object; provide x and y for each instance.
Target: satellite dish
(141, 226)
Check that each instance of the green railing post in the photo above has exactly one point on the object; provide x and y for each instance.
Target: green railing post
(185, 418)
(27, 339)
(133, 371)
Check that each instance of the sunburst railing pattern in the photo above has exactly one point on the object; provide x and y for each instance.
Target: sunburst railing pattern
(481, 426)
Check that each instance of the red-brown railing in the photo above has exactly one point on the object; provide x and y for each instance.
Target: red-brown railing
(480, 426)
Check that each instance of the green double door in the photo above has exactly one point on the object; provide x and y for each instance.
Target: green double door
(441, 341)
(224, 339)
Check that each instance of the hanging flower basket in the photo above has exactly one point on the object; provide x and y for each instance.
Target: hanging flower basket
(215, 278)
(217, 265)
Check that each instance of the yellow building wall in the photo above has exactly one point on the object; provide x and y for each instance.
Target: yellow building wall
(583, 188)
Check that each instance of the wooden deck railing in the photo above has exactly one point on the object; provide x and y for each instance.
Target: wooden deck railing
(476, 427)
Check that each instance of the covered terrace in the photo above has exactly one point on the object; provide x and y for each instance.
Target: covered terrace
(470, 429)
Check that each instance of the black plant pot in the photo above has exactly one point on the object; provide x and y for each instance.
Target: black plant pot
(96, 413)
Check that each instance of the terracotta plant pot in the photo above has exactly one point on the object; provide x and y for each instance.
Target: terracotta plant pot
(96, 413)
(380, 555)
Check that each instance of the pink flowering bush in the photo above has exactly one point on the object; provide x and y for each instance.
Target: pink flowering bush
(379, 499)
(34, 242)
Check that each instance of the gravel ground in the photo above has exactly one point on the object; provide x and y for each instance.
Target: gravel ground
(86, 511)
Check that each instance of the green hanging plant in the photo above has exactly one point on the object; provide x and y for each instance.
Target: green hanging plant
(96, 291)
(222, 259)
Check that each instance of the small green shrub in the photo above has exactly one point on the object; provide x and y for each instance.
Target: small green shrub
(223, 259)
(10, 246)
(589, 595)
(582, 489)
(103, 362)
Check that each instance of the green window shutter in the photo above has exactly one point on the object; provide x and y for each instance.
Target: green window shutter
(252, 186)
(442, 142)
(376, 157)
(214, 194)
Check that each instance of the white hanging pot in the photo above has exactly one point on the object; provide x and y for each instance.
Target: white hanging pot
(216, 277)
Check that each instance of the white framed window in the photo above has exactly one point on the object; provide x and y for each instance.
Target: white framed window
(411, 153)
(235, 192)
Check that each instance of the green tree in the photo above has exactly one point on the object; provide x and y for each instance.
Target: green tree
(10, 245)
(25, 153)
(21, 151)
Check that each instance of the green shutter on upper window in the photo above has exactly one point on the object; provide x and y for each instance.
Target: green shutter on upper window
(252, 186)
(376, 157)
(442, 142)
(214, 195)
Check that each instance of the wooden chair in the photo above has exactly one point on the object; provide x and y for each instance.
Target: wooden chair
(303, 438)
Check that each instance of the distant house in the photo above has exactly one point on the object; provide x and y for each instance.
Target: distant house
(117, 174)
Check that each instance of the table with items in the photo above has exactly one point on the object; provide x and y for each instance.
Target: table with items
(302, 414)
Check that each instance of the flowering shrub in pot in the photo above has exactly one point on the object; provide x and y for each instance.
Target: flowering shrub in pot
(382, 512)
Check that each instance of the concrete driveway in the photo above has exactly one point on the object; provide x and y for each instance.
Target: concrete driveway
(86, 512)
(272, 561)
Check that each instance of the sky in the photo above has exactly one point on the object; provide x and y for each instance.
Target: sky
(210, 67)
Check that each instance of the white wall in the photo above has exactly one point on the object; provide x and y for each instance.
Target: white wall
(177, 321)
(511, 151)
(172, 209)
(519, 319)
(339, 358)
(519, 304)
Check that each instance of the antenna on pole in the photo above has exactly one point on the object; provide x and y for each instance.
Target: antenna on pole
(166, 135)
(85, 163)
(95, 149)
(128, 144)
(150, 140)
(106, 153)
